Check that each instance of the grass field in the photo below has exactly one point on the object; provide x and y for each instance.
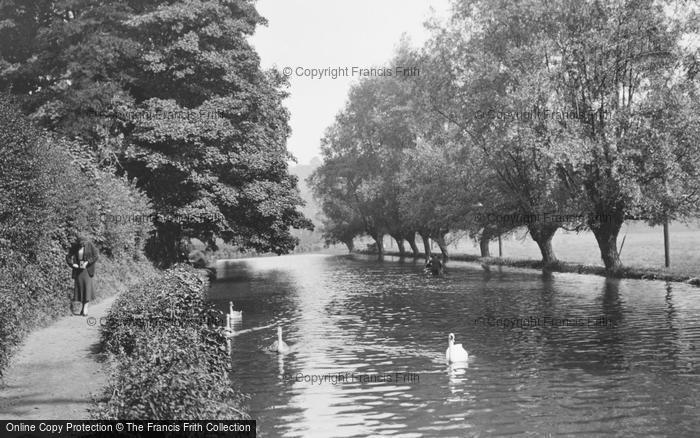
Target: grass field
(643, 248)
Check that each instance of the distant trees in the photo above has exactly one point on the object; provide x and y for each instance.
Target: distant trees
(552, 114)
(359, 184)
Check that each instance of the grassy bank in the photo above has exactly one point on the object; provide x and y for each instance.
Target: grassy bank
(625, 272)
(167, 353)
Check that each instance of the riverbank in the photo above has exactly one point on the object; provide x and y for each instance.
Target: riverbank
(59, 368)
(167, 353)
(560, 266)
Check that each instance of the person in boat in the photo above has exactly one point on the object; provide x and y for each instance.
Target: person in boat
(435, 265)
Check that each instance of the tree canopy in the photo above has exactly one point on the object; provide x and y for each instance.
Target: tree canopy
(171, 94)
(565, 114)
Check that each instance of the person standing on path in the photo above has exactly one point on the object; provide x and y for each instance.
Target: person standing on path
(82, 258)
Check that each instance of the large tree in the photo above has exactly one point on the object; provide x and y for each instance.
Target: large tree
(363, 157)
(562, 100)
(638, 156)
(172, 94)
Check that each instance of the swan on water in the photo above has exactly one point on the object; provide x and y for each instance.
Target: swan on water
(455, 352)
(279, 345)
(235, 314)
(232, 316)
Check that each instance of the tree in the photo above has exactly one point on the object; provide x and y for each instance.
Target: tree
(617, 62)
(173, 94)
(489, 81)
(594, 69)
(337, 185)
(363, 153)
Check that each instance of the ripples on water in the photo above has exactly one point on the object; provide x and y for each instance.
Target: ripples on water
(348, 314)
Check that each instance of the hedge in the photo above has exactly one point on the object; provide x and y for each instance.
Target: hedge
(51, 190)
(168, 353)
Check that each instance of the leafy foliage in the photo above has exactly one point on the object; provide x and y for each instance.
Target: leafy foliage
(358, 185)
(172, 94)
(169, 347)
(49, 194)
(583, 109)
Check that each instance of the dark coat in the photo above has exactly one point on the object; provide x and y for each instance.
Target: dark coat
(435, 265)
(90, 254)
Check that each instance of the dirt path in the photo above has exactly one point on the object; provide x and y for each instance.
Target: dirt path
(57, 370)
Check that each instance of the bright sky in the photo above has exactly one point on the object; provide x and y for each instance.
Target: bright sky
(321, 34)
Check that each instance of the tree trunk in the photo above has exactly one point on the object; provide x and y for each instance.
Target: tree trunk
(379, 240)
(542, 235)
(412, 243)
(164, 246)
(484, 245)
(350, 243)
(605, 231)
(440, 240)
(426, 245)
(400, 245)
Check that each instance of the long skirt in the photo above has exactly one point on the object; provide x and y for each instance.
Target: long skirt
(84, 287)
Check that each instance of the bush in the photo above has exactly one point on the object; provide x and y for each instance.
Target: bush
(25, 211)
(50, 190)
(86, 198)
(169, 353)
(36, 292)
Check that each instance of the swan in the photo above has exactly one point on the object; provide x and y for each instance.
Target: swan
(279, 345)
(455, 352)
(232, 316)
(235, 314)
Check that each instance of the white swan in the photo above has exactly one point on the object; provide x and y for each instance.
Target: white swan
(235, 314)
(231, 317)
(279, 345)
(455, 352)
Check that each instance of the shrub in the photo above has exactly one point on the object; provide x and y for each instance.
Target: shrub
(33, 293)
(168, 347)
(24, 201)
(50, 189)
(86, 198)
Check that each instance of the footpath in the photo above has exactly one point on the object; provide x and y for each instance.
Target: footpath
(57, 371)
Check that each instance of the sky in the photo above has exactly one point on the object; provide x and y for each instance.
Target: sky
(322, 34)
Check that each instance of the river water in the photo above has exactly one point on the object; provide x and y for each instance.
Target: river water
(559, 354)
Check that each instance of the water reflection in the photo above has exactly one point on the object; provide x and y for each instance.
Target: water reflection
(369, 341)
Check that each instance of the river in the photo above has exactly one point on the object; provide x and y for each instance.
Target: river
(559, 354)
